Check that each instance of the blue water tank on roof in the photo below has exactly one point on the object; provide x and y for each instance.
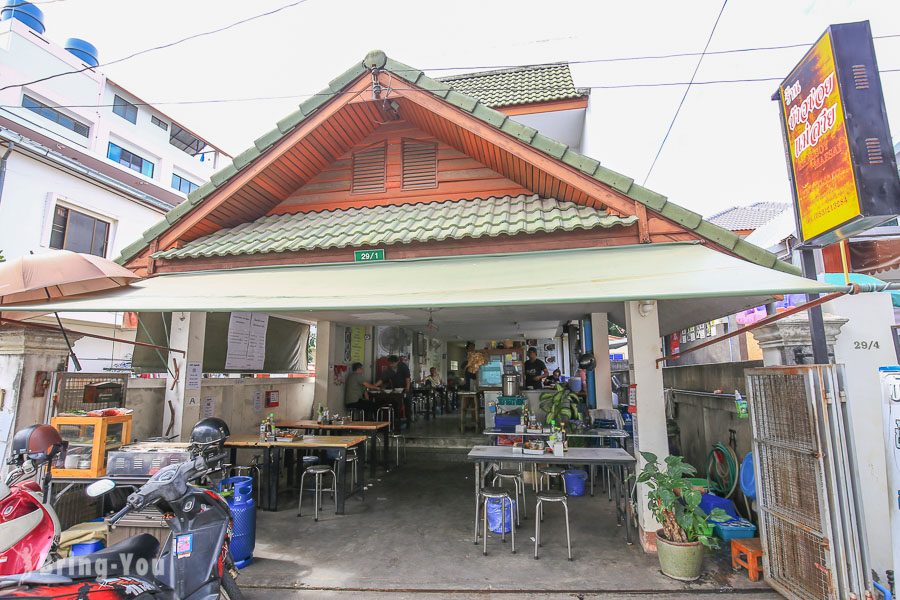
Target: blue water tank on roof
(26, 12)
(86, 51)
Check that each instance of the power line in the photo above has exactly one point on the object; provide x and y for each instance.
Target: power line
(642, 57)
(686, 90)
(162, 46)
(470, 91)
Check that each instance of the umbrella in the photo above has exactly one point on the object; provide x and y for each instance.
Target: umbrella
(58, 274)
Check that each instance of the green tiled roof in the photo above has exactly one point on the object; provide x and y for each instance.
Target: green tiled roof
(521, 85)
(528, 135)
(399, 224)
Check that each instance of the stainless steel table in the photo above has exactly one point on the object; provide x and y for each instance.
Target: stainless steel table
(618, 458)
(614, 434)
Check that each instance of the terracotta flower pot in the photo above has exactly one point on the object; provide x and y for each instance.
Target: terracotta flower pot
(679, 561)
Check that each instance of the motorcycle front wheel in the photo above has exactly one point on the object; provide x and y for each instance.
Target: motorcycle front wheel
(228, 589)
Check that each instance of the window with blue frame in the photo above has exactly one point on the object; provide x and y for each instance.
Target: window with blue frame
(48, 112)
(131, 160)
(183, 185)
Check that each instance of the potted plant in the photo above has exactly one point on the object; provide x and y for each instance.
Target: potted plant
(686, 528)
(561, 405)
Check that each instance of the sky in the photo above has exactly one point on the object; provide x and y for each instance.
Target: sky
(725, 148)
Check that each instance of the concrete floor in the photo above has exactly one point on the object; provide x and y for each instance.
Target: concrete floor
(412, 537)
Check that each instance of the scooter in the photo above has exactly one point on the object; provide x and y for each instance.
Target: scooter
(29, 528)
(195, 565)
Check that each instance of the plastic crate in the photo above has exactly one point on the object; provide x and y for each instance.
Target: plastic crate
(735, 530)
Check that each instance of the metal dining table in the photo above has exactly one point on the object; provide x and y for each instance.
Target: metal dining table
(620, 435)
(370, 429)
(621, 464)
(272, 460)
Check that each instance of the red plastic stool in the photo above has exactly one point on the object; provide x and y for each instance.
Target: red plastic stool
(747, 553)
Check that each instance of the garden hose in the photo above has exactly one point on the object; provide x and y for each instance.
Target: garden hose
(722, 470)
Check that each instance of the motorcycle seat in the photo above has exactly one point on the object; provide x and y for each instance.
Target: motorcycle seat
(134, 556)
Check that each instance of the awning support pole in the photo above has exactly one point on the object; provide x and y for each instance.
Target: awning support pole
(776, 317)
(90, 335)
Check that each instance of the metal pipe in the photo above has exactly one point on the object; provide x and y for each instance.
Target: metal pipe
(90, 335)
(3, 159)
(795, 309)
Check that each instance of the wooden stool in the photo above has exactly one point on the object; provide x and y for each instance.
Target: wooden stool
(469, 401)
(747, 553)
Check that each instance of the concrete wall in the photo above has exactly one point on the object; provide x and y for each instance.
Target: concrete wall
(705, 418)
(233, 401)
(863, 345)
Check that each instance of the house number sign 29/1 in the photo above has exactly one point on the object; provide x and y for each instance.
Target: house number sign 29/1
(368, 255)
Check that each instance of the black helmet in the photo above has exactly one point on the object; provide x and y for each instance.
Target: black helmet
(210, 431)
(39, 443)
(587, 361)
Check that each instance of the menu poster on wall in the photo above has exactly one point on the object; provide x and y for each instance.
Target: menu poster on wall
(194, 376)
(207, 408)
(246, 341)
(548, 351)
(357, 344)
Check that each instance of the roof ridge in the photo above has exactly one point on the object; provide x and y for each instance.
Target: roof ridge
(504, 71)
(559, 151)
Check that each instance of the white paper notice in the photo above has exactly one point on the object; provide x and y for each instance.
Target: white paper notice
(194, 376)
(207, 408)
(246, 341)
(258, 401)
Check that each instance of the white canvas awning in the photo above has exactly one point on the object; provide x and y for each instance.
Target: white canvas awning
(692, 282)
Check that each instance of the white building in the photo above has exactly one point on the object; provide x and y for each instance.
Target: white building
(85, 165)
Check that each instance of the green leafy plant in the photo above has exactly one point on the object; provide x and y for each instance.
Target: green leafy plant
(560, 404)
(675, 504)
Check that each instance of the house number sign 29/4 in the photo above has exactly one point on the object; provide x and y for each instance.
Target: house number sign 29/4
(866, 345)
(368, 255)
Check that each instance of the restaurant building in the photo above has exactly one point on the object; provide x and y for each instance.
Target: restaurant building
(486, 228)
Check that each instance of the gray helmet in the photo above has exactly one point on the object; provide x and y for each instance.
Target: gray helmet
(210, 431)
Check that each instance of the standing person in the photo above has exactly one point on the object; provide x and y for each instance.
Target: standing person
(403, 378)
(468, 377)
(356, 391)
(535, 371)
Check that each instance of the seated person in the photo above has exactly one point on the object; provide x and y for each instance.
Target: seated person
(356, 393)
(434, 378)
(554, 378)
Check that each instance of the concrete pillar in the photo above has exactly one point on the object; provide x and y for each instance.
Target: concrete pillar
(787, 341)
(865, 343)
(27, 358)
(603, 372)
(324, 343)
(182, 409)
(642, 323)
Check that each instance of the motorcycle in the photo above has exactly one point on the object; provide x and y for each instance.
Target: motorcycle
(194, 565)
(29, 528)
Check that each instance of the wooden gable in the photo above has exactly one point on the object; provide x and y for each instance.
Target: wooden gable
(459, 177)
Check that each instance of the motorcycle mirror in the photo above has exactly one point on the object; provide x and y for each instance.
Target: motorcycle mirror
(100, 487)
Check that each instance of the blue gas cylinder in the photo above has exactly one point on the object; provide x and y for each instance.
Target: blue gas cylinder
(243, 513)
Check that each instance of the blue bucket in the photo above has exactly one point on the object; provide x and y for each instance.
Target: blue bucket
(575, 479)
(495, 517)
(243, 488)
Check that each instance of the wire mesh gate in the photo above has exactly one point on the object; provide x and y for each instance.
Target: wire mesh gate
(812, 545)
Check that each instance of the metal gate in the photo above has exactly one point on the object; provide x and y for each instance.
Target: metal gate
(807, 500)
